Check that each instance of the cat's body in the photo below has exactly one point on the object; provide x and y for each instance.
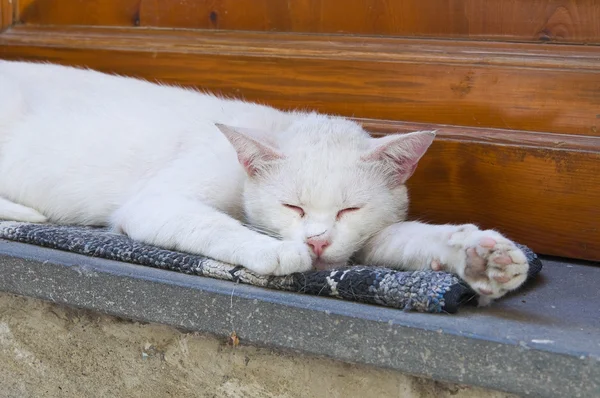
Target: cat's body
(165, 166)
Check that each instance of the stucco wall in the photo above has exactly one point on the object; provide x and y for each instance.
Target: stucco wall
(52, 351)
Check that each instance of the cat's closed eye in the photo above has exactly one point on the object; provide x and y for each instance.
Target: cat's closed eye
(297, 209)
(342, 212)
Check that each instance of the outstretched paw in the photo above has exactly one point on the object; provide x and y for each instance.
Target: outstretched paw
(493, 264)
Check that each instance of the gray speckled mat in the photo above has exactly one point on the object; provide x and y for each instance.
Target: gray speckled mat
(423, 291)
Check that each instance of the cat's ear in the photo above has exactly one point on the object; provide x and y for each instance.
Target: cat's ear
(255, 156)
(400, 153)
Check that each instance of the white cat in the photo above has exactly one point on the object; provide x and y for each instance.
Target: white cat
(160, 164)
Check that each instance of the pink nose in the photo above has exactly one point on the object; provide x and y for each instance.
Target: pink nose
(318, 245)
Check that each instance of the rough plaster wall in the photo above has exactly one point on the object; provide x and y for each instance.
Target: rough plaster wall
(52, 351)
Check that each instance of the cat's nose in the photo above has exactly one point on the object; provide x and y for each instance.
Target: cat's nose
(318, 245)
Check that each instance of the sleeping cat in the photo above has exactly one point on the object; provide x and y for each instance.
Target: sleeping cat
(277, 192)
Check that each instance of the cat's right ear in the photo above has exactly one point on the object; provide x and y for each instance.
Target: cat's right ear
(254, 156)
(400, 153)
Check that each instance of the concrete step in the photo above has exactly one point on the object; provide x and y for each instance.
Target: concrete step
(541, 341)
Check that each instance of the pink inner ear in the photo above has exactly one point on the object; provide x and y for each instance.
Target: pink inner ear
(252, 154)
(402, 153)
(255, 157)
(247, 164)
(252, 163)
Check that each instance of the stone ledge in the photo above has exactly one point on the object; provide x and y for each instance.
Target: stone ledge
(543, 341)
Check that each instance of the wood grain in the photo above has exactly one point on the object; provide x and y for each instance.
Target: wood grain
(542, 189)
(498, 85)
(541, 20)
(516, 20)
(6, 14)
(79, 12)
(547, 199)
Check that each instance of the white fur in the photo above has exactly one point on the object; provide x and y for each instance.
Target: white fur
(184, 170)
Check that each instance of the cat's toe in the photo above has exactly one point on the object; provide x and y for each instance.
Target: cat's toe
(436, 265)
(292, 257)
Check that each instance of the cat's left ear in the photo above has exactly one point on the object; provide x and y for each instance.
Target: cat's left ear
(400, 152)
(254, 154)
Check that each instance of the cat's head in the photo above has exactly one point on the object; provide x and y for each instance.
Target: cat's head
(324, 181)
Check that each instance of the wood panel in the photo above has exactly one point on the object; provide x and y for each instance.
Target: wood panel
(79, 12)
(6, 14)
(521, 20)
(545, 198)
(542, 20)
(541, 189)
(513, 86)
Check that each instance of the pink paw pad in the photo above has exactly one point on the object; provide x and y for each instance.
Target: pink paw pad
(476, 259)
(487, 242)
(503, 260)
(502, 279)
(436, 265)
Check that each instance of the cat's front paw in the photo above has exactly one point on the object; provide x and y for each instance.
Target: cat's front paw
(293, 257)
(282, 258)
(492, 266)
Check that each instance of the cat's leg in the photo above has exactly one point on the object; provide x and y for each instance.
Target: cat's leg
(178, 223)
(11, 211)
(491, 264)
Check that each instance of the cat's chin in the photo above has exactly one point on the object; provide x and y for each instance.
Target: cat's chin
(321, 265)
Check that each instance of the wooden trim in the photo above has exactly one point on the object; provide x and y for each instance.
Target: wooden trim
(539, 188)
(258, 44)
(6, 14)
(521, 139)
(497, 85)
(515, 20)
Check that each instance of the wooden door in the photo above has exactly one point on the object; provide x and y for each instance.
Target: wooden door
(512, 86)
